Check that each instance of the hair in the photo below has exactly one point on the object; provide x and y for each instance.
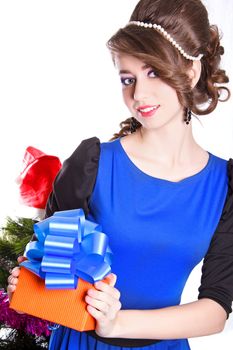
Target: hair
(187, 22)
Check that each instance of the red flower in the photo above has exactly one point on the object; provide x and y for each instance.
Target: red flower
(37, 177)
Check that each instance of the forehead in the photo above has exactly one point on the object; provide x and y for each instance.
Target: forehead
(126, 63)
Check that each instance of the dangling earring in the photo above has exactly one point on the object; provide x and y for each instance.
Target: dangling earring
(133, 125)
(188, 116)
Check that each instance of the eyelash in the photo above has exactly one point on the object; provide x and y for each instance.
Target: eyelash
(123, 80)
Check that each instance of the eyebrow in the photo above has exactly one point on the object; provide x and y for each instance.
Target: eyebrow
(125, 71)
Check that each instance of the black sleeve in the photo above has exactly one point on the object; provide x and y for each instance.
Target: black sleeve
(75, 181)
(217, 269)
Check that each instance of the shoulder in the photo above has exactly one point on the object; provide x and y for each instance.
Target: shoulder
(81, 165)
(230, 179)
(223, 165)
(230, 184)
(91, 148)
(86, 153)
(108, 146)
(74, 183)
(230, 172)
(87, 148)
(226, 220)
(107, 151)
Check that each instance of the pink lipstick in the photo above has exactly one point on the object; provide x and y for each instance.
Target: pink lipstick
(147, 111)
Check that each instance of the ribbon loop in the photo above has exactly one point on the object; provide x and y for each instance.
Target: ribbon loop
(61, 245)
(57, 281)
(58, 264)
(68, 247)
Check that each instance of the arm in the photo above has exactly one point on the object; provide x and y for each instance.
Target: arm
(199, 318)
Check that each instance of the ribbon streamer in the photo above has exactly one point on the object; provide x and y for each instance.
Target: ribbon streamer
(68, 247)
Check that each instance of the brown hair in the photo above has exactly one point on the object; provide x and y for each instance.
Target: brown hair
(187, 22)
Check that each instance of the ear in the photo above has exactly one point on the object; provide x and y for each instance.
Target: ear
(194, 73)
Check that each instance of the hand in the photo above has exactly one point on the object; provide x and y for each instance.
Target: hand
(13, 278)
(104, 305)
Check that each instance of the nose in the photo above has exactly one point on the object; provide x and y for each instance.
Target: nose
(139, 93)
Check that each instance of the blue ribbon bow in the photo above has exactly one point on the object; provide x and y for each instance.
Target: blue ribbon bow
(68, 247)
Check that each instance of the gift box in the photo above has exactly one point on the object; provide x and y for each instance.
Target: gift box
(70, 255)
(65, 307)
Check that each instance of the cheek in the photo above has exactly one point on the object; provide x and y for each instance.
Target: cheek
(126, 94)
(170, 95)
(169, 92)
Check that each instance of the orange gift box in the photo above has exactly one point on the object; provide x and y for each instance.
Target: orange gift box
(69, 247)
(65, 307)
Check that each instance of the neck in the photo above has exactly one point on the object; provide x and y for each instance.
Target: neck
(169, 145)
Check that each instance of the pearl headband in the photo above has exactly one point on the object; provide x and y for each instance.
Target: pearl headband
(168, 37)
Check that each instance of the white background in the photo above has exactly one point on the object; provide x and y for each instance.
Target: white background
(58, 86)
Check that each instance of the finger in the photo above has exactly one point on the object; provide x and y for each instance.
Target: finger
(108, 311)
(9, 279)
(20, 312)
(101, 296)
(114, 310)
(15, 272)
(112, 278)
(98, 315)
(99, 305)
(104, 302)
(10, 289)
(21, 258)
(104, 287)
(12, 280)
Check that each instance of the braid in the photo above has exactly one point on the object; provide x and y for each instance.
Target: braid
(125, 128)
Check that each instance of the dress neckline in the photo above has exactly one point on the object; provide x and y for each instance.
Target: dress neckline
(141, 173)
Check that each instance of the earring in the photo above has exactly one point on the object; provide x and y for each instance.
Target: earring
(188, 115)
(133, 125)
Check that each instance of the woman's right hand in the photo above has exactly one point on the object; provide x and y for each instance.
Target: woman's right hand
(13, 278)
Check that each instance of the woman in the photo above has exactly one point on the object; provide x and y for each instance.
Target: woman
(163, 200)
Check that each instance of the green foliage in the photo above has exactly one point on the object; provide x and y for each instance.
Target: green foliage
(18, 232)
(13, 239)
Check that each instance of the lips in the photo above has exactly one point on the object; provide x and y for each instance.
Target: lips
(147, 111)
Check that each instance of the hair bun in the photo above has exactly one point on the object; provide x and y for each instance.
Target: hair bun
(214, 48)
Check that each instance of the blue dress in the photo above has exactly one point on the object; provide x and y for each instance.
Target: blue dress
(158, 230)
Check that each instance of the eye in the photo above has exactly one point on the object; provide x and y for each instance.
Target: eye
(152, 73)
(127, 81)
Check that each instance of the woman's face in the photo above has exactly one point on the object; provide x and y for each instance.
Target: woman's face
(150, 100)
